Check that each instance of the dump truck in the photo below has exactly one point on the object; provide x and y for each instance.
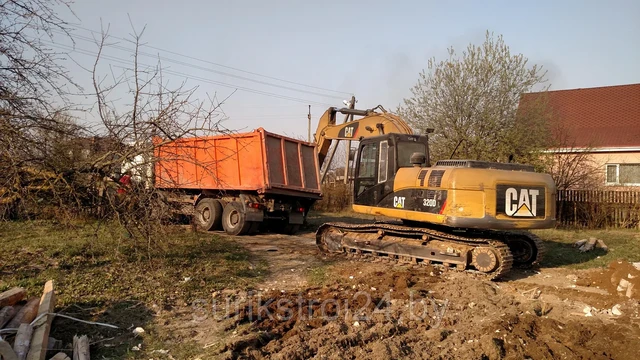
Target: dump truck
(241, 182)
(246, 182)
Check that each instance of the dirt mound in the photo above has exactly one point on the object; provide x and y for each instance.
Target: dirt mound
(375, 314)
(620, 277)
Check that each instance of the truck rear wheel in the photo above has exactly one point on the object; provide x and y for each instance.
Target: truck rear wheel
(291, 229)
(234, 220)
(208, 214)
(282, 227)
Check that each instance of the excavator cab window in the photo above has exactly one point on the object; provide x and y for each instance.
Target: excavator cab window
(367, 167)
(406, 149)
(383, 161)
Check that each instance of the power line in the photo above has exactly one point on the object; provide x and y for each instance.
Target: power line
(187, 76)
(87, 39)
(221, 65)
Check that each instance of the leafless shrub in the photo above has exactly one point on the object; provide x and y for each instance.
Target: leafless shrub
(600, 215)
(154, 115)
(34, 103)
(571, 166)
(336, 197)
(55, 168)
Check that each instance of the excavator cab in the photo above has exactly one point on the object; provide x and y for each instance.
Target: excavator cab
(378, 160)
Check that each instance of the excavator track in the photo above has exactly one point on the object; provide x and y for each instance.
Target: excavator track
(528, 249)
(486, 257)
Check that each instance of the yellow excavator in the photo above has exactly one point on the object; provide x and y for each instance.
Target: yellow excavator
(464, 214)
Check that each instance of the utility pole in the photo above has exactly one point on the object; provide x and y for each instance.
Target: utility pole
(309, 126)
(352, 105)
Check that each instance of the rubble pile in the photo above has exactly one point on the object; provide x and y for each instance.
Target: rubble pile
(25, 325)
(589, 244)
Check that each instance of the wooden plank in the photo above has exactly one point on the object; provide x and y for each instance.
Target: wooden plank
(42, 327)
(6, 352)
(60, 356)
(22, 341)
(80, 347)
(26, 314)
(6, 314)
(12, 296)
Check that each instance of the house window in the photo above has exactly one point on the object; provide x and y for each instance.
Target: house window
(623, 174)
(612, 174)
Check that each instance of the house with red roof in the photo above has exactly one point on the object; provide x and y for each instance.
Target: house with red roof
(602, 121)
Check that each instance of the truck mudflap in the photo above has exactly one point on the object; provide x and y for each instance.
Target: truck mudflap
(296, 218)
(251, 214)
(254, 215)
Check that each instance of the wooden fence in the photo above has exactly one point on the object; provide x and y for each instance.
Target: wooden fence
(598, 209)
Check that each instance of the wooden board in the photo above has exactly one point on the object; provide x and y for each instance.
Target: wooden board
(6, 352)
(42, 327)
(80, 347)
(60, 356)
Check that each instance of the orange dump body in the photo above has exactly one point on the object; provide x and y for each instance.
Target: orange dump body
(254, 161)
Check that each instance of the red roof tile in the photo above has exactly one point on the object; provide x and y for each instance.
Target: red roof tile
(606, 116)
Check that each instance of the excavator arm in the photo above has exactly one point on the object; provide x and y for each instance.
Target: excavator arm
(372, 123)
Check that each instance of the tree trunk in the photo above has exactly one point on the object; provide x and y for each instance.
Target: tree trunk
(26, 314)
(22, 341)
(6, 314)
(11, 296)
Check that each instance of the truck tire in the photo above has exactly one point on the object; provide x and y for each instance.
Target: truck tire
(255, 227)
(282, 227)
(208, 214)
(291, 229)
(234, 220)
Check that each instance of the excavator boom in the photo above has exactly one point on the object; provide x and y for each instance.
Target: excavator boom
(372, 123)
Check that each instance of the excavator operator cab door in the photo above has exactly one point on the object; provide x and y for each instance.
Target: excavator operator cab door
(378, 160)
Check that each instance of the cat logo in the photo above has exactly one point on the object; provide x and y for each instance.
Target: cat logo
(521, 204)
(398, 202)
(348, 131)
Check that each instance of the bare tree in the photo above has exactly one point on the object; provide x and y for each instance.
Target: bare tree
(49, 161)
(33, 101)
(152, 115)
(570, 165)
(471, 102)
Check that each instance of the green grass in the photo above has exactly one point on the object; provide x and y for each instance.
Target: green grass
(319, 275)
(101, 276)
(622, 244)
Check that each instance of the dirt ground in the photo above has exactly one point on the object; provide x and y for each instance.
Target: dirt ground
(312, 306)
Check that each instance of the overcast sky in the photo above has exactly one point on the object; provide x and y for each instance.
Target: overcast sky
(373, 49)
